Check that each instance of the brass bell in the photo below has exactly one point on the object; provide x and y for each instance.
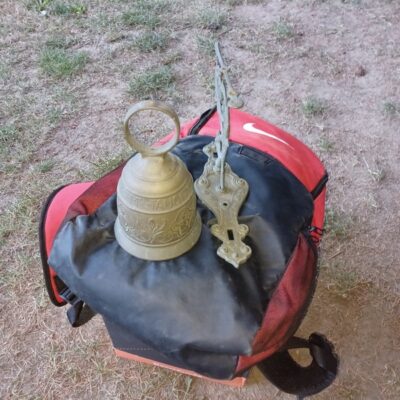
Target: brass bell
(157, 216)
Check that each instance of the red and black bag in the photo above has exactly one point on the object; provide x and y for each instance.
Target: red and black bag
(196, 313)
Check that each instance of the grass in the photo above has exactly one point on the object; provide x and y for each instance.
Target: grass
(283, 30)
(206, 45)
(58, 7)
(59, 42)
(313, 107)
(145, 13)
(68, 9)
(59, 63)
(353, 2)
(172, 58)
(240, 2)
(106, 164)
(6, 229)
(17, 144)
(390, 108)
(337, 224)
(151, 82)
(343, 280)
(54, 115)
(21, 216)
(326, 145)
(5, 71)
(103, 22)
(212, 19)
(46, 166)
(8, 135)
(151, 41)
(39, 5)
(377, 172)
(135, 18)
(67, 99)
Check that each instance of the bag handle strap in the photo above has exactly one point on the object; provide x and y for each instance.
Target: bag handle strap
(204, 118)
(290, 377)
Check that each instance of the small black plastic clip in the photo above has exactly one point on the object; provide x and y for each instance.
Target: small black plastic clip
(79, 313)
(67, 295)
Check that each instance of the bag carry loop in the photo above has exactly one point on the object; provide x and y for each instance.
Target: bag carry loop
(204, 118)
(290, 377)
(79, 313)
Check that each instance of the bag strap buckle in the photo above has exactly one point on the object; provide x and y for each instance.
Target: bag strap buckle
(67, 295)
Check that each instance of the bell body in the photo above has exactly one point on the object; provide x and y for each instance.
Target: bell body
(157, 216)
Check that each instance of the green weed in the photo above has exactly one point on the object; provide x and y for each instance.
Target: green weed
(59, 63)
(390, 108)
(68, 9)
(139, 18)
(59, 42)
(145, 13)
(283, 30)
(240, 2)
(337, 224)
(313, 107)
(150, 41)
(39, 5)
(46, 166)
(54, 115)
(326, 145)
(24, 211)
(205, 45)
(172, 58)
(106, 164)
(212, 19)
(5, 71)
(149, 82)
(8, 135)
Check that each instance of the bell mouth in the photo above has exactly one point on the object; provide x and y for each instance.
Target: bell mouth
(158, 252)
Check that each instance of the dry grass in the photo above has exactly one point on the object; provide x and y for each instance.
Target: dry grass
(66, 80)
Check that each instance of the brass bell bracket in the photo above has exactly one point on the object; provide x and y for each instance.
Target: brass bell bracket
(225, 204)
(219, 188)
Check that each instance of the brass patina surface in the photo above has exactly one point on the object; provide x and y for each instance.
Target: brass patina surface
(157, 217)
(219, 188)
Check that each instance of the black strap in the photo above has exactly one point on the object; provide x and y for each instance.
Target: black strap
(79, 313)
(320, 186)
(290, 377)
(204, 118)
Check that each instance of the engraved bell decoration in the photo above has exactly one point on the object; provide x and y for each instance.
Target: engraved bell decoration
(157, 216)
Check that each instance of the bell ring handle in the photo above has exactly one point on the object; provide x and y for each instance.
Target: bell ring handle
(142, 148)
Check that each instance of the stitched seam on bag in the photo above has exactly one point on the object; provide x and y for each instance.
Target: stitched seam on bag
(134, 348)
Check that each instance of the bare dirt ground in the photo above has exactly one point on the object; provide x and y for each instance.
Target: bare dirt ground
(327, 71)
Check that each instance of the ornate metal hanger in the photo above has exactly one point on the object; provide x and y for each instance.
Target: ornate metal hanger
(219, 188)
